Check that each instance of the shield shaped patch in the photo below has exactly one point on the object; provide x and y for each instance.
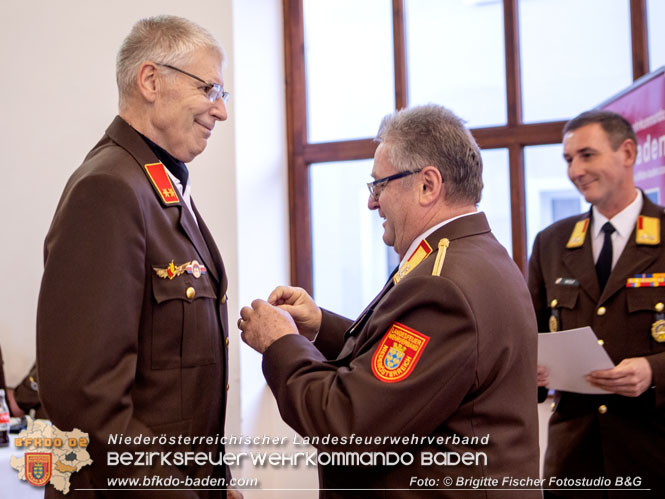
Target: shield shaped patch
(38, 468)
(398, 353)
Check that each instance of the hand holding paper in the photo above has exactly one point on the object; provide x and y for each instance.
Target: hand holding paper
(543, 376)
(569, 356)
(630, 378)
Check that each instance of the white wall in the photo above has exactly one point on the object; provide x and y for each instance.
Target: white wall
(58, 95)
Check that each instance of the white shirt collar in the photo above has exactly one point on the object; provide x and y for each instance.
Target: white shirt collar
(623, 222)
(184, 193)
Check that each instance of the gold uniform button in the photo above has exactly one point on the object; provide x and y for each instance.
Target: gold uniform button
(659, 306)
(601, 311)
(223, 299)
(227, 387)
(227, 343)
(602, 409)
(554, 303)
(191, 293)
(601, 342)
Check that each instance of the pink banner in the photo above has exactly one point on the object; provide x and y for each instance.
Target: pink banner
(643, 104)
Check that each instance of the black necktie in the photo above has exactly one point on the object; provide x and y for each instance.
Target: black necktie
(604, 263)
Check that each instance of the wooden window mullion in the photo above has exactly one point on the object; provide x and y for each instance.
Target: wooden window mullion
(639, 38)
(518, 205)
(515, 150)
(300, 231)
(399, 44)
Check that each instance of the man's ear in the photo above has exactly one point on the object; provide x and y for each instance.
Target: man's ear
(629, 151)
(148, 81)
(431, 185)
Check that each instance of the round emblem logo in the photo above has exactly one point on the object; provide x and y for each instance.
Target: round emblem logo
(196, 269)
(658, 331)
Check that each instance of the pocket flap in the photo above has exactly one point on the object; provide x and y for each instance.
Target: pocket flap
(644, 298)
(178, 288)
(566, 296)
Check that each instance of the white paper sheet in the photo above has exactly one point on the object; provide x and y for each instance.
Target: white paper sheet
(569, 356)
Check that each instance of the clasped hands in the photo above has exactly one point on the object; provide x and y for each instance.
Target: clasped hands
(289, 310)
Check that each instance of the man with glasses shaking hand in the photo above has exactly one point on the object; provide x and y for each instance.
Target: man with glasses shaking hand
(444, 356)
(132, 320)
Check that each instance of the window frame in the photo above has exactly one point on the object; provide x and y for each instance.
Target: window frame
(514, 136)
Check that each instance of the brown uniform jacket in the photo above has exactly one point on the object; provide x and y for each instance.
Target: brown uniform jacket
(468, 382)
(629, 438)
(121, 350)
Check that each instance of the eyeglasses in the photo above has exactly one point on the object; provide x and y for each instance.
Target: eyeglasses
(214, 91)
(377, 186)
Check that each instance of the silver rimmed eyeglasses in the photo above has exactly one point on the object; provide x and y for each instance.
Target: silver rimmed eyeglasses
(213, 91)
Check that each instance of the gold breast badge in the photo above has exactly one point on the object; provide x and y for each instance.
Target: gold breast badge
(658, 326)
(171, 271)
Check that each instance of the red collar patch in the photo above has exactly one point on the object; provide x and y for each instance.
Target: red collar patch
(162, 183)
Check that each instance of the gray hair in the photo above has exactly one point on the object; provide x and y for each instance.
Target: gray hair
(617, 128)
(160, 39)
(433, 135)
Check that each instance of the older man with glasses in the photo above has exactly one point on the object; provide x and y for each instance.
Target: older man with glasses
(439, 369)
(132, 321)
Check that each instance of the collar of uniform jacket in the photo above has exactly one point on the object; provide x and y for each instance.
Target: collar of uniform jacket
(425, 235)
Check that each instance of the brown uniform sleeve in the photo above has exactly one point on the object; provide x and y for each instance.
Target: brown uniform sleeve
(657, 363)
(539, 298)
(316, 397)
(537, 287)
(330, 339)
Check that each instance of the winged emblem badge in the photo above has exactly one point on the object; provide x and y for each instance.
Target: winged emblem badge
(171, 271)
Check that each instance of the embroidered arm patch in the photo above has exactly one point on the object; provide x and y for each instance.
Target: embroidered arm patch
(398, 353)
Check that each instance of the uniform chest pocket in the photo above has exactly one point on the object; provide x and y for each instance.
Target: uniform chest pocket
(185, 326)
(644, 299)
(565, 296)
(646, 316)
(562, 300)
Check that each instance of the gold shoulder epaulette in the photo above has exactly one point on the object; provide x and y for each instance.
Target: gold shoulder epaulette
(440, 256)
(647, 230)
(421, 252)
(579, 233)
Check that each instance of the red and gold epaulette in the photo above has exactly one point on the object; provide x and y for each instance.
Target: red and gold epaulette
(647, 231)
(419, 254)
(579, 234)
